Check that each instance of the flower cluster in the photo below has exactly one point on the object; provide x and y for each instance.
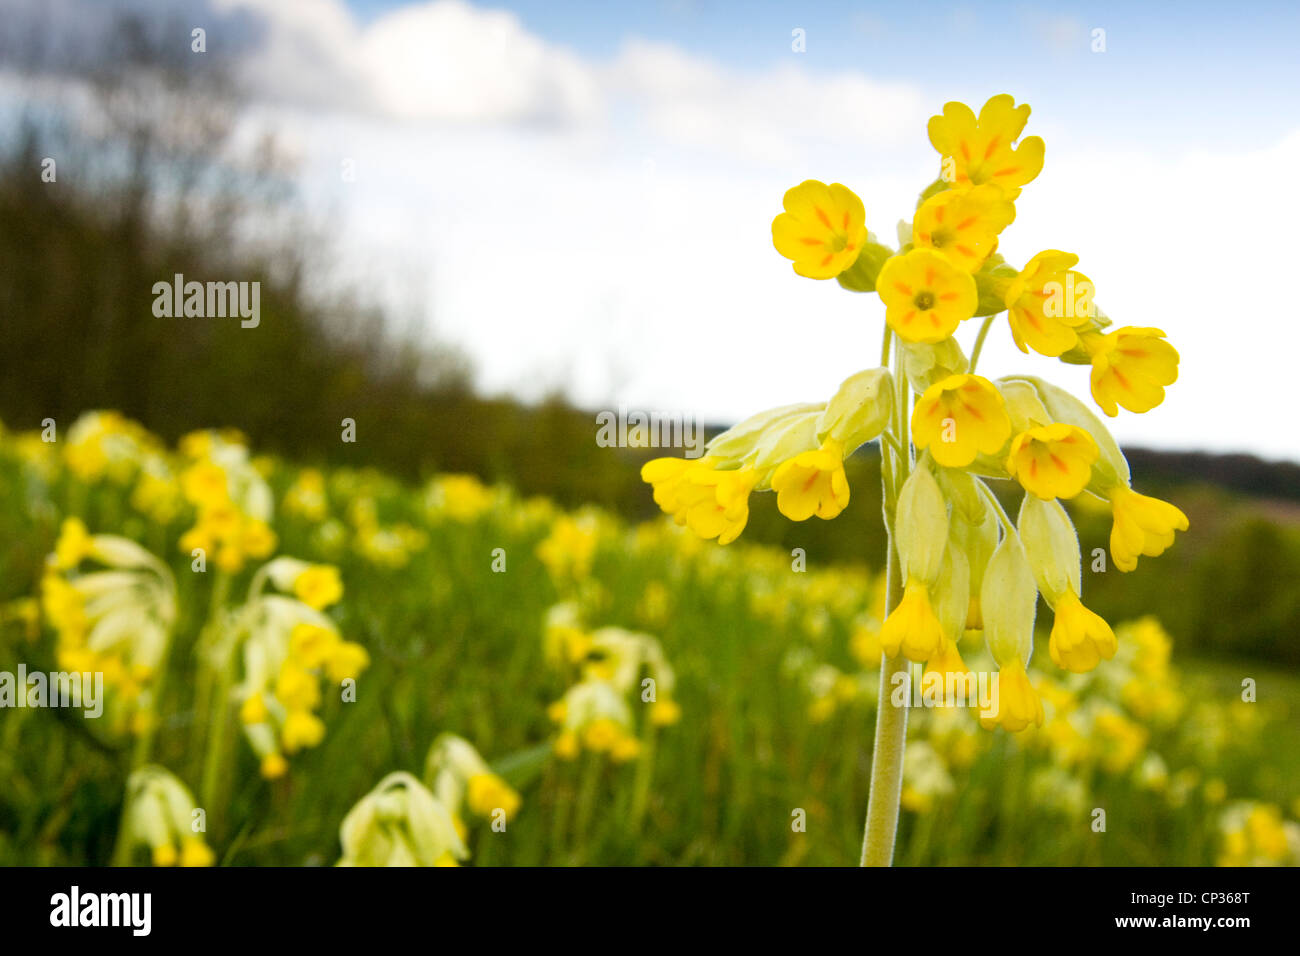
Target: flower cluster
(288, 645)
(405, 821)
(946, 431)
(608, 664)
(232, 501)
(160, 816)
(116, 620)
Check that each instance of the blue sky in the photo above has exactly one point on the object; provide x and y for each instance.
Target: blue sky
(1205, 70)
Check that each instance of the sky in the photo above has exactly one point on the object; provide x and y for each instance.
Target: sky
(580, 195)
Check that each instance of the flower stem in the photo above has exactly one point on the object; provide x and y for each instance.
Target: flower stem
(979, 342)
(891, 722)
(891, 740)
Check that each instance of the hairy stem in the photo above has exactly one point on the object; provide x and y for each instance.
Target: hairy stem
(891, 722)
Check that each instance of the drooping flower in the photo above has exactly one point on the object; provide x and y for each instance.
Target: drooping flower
(1080, 639)
(812, 483)
(1142, 526)
(1018, 705)
(822, 229)
(1131, 367)
(963, 224)
(1046, 302)
(960, 417)
(978, 151)
(1052, 461)
(912, 628)
(926, 296)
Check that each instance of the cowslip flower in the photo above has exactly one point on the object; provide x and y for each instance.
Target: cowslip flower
(1052, 461)
(717, 502)
(912, 628)
(1018, 702)
(1080, 639)
(400, 823)
(960, 417)
(158, 815)
(822, 229)
(963, 224)
(979, 150)
(921, 534)
(1046, 302)
(1008, 600)
(926, 296)
(1142, 526)
(1131, 367)
(812, 483)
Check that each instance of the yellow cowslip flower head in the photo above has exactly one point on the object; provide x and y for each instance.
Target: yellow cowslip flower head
(158, 817)
(1142, 526)
(912, 628)
(301, 729)
(926, 296)
(73, 546)
(1052, 461)
(115, 620)
(1081, 639)
(459, 497)
(978, 151)
(822, 229)
(960, 417)
(596, 716)
(963, 224)
(461, 778)
(316, 585)
(273, 766)
(812, 483)
(1018, 703)
(400, 823)
(717, 502)
(1130, 367)
(486, 793)
(665, 712)
(306, 496)
(1047, 301)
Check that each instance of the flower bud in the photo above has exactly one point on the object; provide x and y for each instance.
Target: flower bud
(952, 594)
(927, 363)
(861, 276)
(1024, 406)
(921, 527)
(786, 439)
(740, 439)
(1051, 545)
(859, 410)
(1008, 601)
